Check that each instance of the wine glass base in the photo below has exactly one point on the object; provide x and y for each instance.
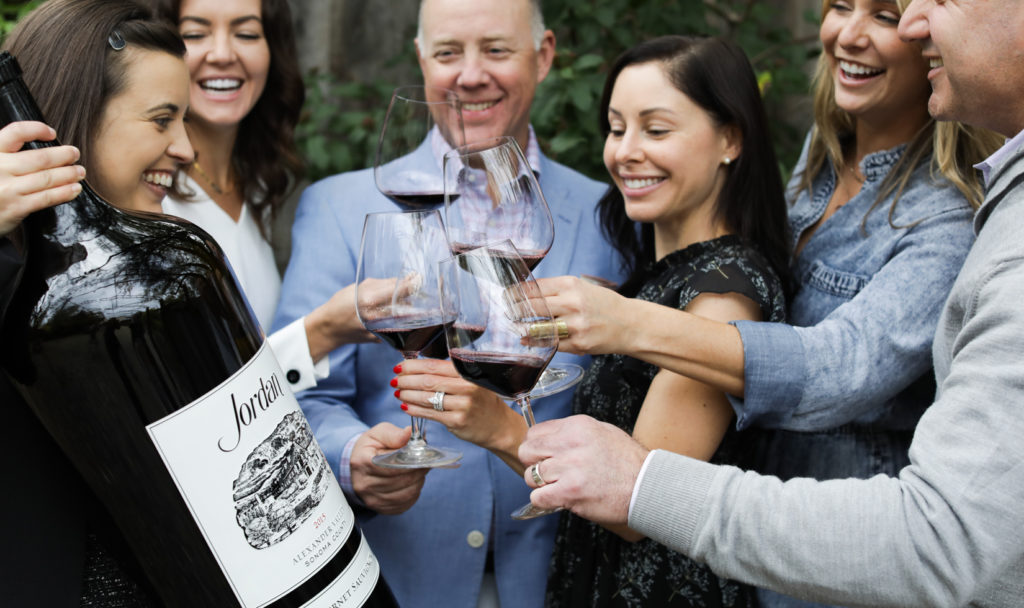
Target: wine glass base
(529, 511)
(417, 457)
(556, 378)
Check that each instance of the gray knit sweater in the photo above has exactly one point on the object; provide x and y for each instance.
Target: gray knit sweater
(949, 531)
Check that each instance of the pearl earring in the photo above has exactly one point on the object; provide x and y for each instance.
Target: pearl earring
(726, 160)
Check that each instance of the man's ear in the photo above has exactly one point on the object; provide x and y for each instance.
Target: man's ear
(545, 55)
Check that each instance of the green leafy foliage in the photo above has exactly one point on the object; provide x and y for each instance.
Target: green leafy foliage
(340, 124)
(341, 121)
(11, 11)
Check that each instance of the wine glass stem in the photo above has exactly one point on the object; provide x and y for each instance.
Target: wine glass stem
(417, 431)
(527, 411)
(418, 436)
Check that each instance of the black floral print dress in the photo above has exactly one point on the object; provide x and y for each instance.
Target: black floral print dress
(591, 566)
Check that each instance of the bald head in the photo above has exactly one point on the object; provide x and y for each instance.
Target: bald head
(536, 21)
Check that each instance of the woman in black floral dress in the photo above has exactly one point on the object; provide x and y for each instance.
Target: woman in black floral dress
(698, 214)
(688, 149)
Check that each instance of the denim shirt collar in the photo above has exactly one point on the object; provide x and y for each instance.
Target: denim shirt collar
(874, 167)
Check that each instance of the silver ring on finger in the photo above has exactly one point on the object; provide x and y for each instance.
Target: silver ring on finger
(437, 400)
(535, 474)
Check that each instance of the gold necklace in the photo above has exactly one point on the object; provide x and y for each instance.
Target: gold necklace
(220, 191)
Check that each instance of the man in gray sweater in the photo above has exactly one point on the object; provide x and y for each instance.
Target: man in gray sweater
(949, 531)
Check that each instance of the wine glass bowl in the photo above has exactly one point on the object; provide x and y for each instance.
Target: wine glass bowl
(491, 194)
(500, 334)
(397, 300)
(417, 116)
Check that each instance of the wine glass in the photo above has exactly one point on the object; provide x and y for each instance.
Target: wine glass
(500, 334)
(417, 119)
(491, 194)
(397, 299)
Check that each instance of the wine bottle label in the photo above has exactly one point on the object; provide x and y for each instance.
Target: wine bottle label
(260, 489)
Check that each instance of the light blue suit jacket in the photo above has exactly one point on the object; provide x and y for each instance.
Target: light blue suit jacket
(426, 553)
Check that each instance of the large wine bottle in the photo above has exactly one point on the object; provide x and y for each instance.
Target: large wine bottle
(132, 343)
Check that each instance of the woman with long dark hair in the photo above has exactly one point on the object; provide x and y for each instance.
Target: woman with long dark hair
(688, 149)
(246, 96)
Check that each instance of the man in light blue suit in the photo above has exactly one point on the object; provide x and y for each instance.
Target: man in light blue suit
(445, 539)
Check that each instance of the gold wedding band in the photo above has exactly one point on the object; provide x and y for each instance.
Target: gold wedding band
(542, 329)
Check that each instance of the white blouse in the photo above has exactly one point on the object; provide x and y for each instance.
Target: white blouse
(250, 255)
(252, 260)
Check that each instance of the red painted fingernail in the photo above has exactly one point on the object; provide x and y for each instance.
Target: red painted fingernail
(398, 369)
(398, 391)
(394, 382)
(405, 407)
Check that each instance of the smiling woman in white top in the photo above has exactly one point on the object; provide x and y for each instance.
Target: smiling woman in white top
(245, 98)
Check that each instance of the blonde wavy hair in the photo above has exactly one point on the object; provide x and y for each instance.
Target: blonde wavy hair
(954, 148)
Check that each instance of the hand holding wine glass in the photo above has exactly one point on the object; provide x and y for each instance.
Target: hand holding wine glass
(500, 335)
(492, 194)
(397, 299)
(415, 115)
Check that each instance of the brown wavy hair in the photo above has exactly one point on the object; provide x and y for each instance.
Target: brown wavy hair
(265, 151)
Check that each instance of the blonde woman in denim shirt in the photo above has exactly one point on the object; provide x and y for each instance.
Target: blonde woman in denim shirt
(882, 199)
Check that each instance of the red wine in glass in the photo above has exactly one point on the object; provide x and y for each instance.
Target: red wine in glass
(438, 349)
(492, 194)
(410, 336)
(415, 200)
(531, 257)
(502, 373)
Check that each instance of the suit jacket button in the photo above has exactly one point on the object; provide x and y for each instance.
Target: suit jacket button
(476, 539)
(293, 375)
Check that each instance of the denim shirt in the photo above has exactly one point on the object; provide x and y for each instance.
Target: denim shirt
(866, 307)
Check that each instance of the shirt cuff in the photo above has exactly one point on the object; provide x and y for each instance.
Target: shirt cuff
(636, 485)
(291, 347)
(345, 471)
(773, 374)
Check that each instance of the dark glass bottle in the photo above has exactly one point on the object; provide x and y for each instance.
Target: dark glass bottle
(130, 340)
